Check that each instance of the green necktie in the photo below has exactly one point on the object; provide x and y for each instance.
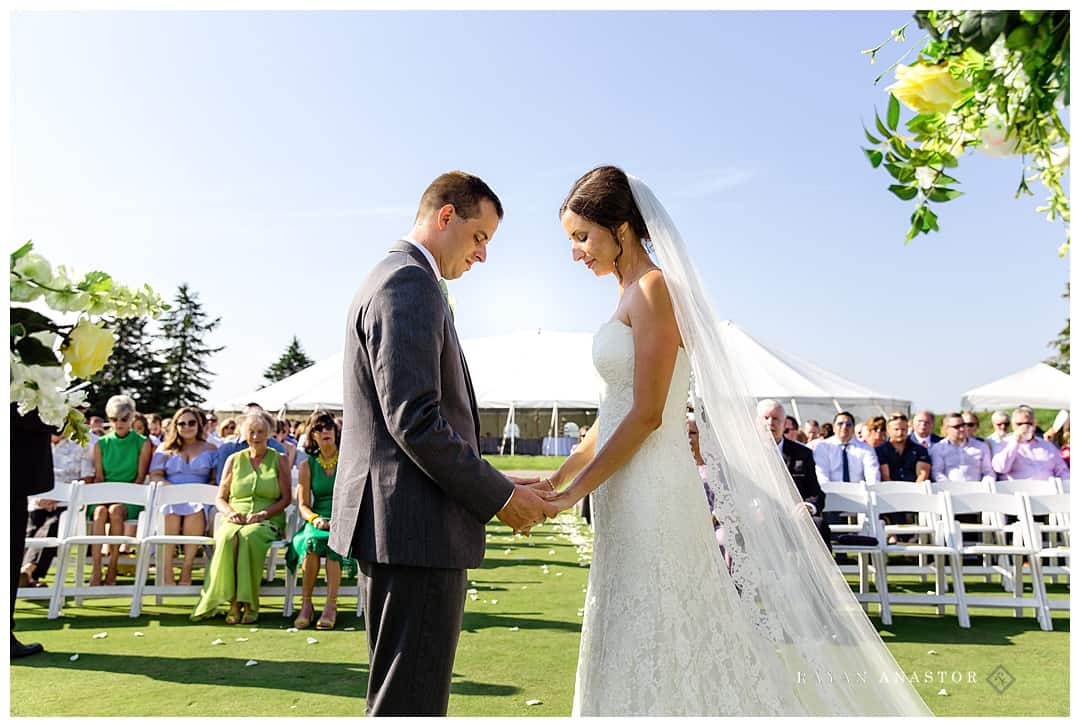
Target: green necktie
(446, 297)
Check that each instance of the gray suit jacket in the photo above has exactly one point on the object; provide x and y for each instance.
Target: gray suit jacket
(411, 488)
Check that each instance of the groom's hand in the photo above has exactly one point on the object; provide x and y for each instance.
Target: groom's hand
(525, 509)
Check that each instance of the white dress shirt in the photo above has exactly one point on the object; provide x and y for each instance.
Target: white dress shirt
(862, 461)
(427, 254)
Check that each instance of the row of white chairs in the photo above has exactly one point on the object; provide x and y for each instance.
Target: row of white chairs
(1006, 547)
(151, 545)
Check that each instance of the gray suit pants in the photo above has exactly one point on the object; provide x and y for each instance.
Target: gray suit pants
(413, 621)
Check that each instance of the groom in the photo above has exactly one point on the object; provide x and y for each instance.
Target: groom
(412, 494)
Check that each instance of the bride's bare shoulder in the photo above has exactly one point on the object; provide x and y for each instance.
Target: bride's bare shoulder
(651, 304)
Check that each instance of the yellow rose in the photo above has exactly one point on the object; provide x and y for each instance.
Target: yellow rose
(927, 89)
(88, 348)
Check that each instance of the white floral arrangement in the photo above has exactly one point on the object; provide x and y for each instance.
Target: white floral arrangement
(46, 355)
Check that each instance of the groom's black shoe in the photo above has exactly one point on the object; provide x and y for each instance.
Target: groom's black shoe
(19, 650)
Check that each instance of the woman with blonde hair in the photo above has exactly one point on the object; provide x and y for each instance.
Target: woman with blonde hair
(122, 455)
(255, 489)
(184, 457)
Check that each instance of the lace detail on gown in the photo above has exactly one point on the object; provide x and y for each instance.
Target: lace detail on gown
(662, 632)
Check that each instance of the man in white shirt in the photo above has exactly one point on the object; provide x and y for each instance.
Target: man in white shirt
(958, 457)
(843, 458)
(1000, 420)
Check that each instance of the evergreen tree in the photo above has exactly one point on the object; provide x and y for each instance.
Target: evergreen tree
(294, 359)
(184, 355)
(1060, 360)
(131, 369)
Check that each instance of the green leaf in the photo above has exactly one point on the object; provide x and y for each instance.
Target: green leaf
(21, 251)
(946, 179)
(880, 126)
(31, 320)
(930, 220)
(902, 150)
(96, 282)
(901, 172)
(874, 156)
(35, 353)
(942, 194)
(1031, 16)
(894, 112)
(870, 138)
(1019, 38)
(903, 191)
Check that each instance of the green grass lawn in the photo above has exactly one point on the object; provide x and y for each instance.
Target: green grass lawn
(524, 462)
(519, 643)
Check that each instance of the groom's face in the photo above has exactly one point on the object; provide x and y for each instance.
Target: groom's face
(465, 241)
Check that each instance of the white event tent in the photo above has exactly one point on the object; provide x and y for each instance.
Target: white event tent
(1041, 386)
(551, 370)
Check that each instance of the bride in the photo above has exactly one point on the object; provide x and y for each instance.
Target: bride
(667, 629)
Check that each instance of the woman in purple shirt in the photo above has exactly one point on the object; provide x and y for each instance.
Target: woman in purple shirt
(185, 457)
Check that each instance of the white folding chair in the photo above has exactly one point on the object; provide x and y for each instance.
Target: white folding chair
(61, 492)
(1017, 547)
(83, 497)
(1038, 487)
(158, 545)
(935, 509)
(857, 503)
(921, 529)
(989, 529)
(1052, 505)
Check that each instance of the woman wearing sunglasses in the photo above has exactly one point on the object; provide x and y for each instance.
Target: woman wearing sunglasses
(315, 495)
(184, 457)
(122, 455)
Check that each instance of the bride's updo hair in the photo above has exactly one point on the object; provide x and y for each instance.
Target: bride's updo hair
(602, 196)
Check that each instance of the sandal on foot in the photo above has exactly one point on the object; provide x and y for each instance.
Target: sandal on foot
(301, 621)
(250, 617)
(233, 617)
(324, 623)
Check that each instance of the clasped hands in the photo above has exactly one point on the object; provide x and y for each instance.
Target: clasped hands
(240, 518)
(534, 501)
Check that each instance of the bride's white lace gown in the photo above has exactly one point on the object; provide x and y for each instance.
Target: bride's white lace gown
(661, 634)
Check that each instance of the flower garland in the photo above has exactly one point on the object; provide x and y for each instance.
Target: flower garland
(45, 355)
(995, 81)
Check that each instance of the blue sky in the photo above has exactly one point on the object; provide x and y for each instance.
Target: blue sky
(269, 159)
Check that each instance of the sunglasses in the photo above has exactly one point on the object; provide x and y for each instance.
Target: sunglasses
(955, 426)
(190, 423)
(844, 423)
(127, 418)
(971, 424)
(323, 427)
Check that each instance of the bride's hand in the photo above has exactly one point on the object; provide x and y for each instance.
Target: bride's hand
(562, 500)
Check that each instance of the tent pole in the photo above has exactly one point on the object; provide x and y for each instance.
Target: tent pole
(795, 411)
(510, 425)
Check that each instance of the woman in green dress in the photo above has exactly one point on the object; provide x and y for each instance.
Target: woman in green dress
(256, 487)
(122, 455)
(316, 495)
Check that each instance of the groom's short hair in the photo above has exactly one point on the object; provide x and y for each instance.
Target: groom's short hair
(461, 189)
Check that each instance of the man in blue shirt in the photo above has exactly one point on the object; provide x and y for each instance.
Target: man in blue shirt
(229, 447)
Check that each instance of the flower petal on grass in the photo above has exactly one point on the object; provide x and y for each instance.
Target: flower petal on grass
(239, 638)
(138, 633)
(312, 640)
(533, 702)
(251, 662)
(73, 657)
(102, 635)
(216, 642)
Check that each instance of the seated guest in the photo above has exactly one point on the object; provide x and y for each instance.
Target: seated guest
(315, 498)
(695, 448)
(1000, 420)
(122, 455)
(252, 497)
(185, 457)
(842, 458)
(875, 431)
(140, 425)
(1058, 435)
(238, 444)
(228, 431)
(860, 432)
(799, 461)
(212, 435)
(283, 435)
(156, 433)
(791, 428)
(900, 459)
(958, 457)
(812, 430)
(1026, 457)
(922, 430)
(70, 463)
(971, 423)
(826, 430)
(97, 427)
